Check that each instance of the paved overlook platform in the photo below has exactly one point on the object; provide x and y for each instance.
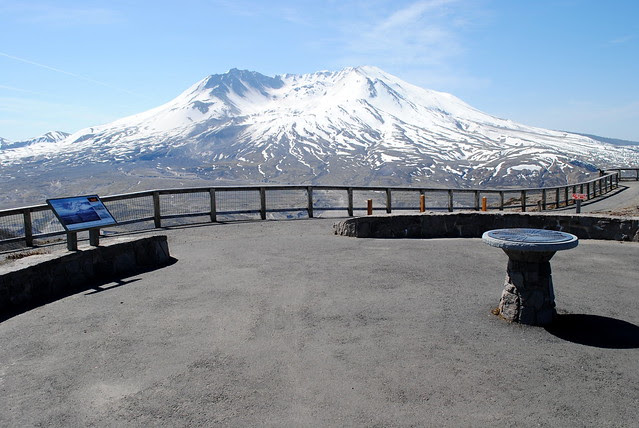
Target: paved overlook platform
(285, 324)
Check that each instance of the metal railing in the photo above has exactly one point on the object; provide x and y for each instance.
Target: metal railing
(626, 174)
(166, 207)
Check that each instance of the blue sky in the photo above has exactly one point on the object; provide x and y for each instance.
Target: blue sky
(561, 64)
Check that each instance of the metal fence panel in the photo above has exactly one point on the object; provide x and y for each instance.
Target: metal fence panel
(405, 200)
(533, 200)
(45, 222)
(286, 200)
(11, 226)
(464, 200)
(185, 203)
(436, 200)
(512, 200)
(131, 209)
(330, 203)
(237, 204)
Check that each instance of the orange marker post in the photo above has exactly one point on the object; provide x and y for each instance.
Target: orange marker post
(483, 203)
(370, 206)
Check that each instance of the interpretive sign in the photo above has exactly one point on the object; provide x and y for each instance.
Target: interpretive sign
(81, 212)
(579, 196)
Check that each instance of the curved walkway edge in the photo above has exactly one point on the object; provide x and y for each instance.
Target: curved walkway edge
(474, 224)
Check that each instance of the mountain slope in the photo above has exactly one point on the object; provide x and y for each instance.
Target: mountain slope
(359, 126)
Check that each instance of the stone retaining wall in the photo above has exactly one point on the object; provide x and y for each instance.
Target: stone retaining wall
(42, 278)
(474, 224)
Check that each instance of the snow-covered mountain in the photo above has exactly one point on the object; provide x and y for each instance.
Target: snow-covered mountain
(48, 138)
(358, 126)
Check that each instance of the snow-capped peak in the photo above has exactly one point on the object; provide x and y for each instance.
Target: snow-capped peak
(359, 126)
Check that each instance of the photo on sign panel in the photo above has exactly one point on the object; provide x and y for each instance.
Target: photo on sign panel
(81, 212)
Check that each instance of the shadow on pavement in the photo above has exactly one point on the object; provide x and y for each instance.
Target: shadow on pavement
(97, 285)
(596, 331)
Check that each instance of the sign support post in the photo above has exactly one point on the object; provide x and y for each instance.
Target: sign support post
(72, 241)
(578, 197)
(94, 237)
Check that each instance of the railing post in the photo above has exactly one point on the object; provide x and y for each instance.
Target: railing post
(543, 199)
(587, 190)
(263, 203)
(213, 205)
(600, 187)
(523, 201)
(450, 200)
(476, 200)
(557, 195)
(637, 171)
(581, 188)
(350, 201)
(309, 195)
(501, 201)
(574, 190)
(157, 218)
(28, 228)
(566, 196)
(389, 201)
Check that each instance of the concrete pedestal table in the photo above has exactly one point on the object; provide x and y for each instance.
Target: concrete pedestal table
(528, 295)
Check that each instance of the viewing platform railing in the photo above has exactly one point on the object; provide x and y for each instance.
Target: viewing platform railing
(626, 174)
(170, 207)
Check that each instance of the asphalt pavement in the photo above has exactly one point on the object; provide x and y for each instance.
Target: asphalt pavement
(282, 323)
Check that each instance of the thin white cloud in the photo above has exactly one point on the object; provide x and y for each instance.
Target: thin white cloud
(622, 40)
(68, 73)
(411, 14)
(24, 91)
(424, 33)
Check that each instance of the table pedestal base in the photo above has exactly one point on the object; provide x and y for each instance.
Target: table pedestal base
(528, 296)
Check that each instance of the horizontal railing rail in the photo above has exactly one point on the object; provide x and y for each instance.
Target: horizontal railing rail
(626, 174)
(154, 208)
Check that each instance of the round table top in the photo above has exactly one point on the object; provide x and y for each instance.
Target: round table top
(530, 239)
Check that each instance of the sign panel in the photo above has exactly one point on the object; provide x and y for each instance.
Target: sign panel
(81, 212)
(579, 196)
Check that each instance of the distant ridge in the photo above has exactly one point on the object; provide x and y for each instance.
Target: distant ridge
(49, 137)
(615, 141)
